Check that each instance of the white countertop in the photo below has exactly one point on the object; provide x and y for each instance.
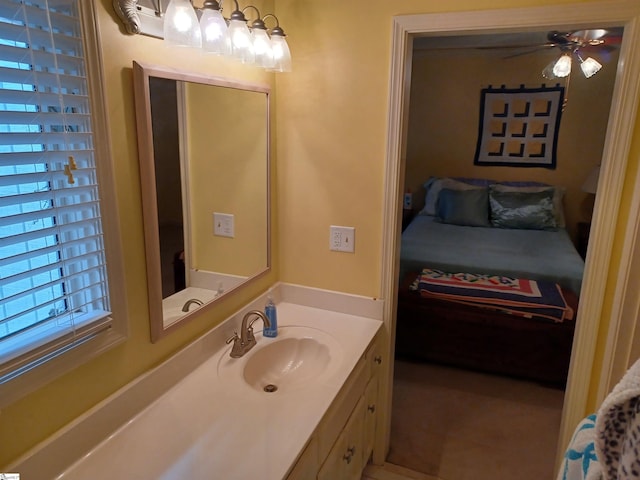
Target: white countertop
(209, 427)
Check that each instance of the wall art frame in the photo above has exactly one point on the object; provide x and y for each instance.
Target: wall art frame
(519, 126)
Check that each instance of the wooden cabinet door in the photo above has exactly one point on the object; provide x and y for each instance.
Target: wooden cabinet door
(345, 461)
(370, 416)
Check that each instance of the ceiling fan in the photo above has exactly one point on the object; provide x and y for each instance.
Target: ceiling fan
(576, 44)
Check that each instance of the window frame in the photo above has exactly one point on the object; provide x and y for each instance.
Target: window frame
(33, 379)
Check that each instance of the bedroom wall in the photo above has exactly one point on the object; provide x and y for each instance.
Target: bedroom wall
(444, 120)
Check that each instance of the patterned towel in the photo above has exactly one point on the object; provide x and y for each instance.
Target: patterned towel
(618, 428)
(580, 461)
(516, 296)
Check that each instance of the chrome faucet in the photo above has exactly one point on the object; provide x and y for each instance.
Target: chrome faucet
(188, 303)
(246, 341)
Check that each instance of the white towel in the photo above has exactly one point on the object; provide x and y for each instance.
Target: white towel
(618, 429)
(580, 461)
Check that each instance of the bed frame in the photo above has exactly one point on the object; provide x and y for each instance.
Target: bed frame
(482, 338)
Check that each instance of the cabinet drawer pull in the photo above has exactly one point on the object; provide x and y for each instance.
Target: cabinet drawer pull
(378, 359)
(351, 451)
(371, 408)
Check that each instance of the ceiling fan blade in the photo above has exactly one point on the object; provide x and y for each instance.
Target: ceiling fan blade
(529, 51)
(532, 47)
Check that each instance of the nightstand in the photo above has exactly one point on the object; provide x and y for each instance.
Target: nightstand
(407, 216)
(583, 238)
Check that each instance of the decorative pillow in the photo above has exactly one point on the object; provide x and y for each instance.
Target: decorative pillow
(434, 185)
(526, 210)
(558, 195)
(464, 207)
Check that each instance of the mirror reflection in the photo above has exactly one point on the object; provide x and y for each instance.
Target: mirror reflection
(204, 170)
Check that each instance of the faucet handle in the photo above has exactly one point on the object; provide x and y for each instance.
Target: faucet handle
(232, 338)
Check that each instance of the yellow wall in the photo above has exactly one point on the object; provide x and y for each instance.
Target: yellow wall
(228, 174)
(332, 119)
(38, 415)
(444, 117)
(330, 126)
(332, 112)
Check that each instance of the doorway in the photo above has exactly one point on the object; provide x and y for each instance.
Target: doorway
(615, 156)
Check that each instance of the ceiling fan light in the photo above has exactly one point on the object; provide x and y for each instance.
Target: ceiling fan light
(590, 67)
(547, 72)
(562, 67)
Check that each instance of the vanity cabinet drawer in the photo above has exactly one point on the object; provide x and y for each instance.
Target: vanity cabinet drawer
(345, 460)
(338, 414)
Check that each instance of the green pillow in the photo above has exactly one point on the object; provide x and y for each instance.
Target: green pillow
(464, 207)
(525, 210)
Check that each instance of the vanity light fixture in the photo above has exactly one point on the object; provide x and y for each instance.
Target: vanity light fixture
(181, 25)
(213, 26)
(280, 48)
(249, 42)
(262, 44)
(242, 48)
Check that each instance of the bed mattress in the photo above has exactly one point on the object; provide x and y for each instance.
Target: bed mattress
(533, 254)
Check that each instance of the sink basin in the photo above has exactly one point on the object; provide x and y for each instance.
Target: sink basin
(297, 357)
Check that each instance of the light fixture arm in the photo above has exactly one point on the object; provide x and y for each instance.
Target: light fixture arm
(277, 30)
(237, 13)
(258, 22)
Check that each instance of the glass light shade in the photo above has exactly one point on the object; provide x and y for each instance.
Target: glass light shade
(562, 68)
(215, 35)
(181, 25)
(548, 71)
(262, 48)
(281, 54)
(590, 67)
(241, 41)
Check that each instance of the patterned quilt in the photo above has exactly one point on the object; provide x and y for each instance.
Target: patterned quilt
(517, 296)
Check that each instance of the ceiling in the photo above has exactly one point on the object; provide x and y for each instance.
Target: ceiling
(500, 43)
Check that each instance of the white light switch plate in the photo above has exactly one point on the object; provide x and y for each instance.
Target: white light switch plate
(342, 239)
(223, 225)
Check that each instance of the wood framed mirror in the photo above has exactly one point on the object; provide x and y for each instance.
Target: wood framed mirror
(204, 148)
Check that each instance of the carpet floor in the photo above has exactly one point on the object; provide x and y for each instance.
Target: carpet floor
(460, 425)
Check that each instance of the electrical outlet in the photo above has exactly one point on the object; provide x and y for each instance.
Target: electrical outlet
(342, 239)
(223, 225)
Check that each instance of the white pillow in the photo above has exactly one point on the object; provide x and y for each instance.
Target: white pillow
(558, 195)
(433, 187)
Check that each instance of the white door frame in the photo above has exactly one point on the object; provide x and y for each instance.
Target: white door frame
(615, 158)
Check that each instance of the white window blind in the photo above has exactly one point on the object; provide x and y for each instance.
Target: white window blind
(53, 281)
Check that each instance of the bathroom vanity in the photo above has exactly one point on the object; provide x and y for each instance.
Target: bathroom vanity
(302, 405)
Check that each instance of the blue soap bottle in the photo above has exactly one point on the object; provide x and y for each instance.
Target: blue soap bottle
(271, 313)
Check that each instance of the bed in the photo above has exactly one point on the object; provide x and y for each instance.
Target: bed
(472, 228)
